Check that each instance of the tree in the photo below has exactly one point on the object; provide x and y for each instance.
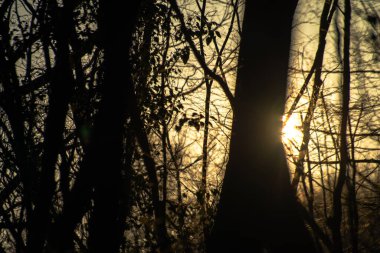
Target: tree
(258, 208)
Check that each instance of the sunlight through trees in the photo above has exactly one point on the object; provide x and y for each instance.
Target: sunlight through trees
(121, 129)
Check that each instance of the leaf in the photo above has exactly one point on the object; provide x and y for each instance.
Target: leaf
(208, 40)
(218, 34)
(177, 128)
(185, 55)
(372, 19)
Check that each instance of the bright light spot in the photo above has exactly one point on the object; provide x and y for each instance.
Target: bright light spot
(292, 130)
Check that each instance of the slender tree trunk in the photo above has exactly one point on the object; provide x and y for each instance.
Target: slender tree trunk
(61, 91)
(257, 208)
(352, 202)
(351, 186)
(177, 159)
(343, 148)
(325, 21)
(163, 114)
(150, 164)
(12, 106)
(141, 135)
(203, 185)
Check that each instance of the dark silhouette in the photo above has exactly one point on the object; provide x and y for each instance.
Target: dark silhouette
(102, 167)
(257, 209)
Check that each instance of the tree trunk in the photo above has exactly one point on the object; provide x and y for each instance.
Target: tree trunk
(62, 87)
(257, 209)
(117, 23)
(102, 165)
(343, 148)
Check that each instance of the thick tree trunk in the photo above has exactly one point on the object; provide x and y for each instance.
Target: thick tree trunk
(102, 165)
(257, 208)
(117, 23)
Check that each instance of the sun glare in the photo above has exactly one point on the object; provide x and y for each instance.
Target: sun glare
(292, 130)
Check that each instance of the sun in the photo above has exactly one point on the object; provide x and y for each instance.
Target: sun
(291, 131)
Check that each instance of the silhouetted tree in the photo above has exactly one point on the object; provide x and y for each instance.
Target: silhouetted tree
(258, 208)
